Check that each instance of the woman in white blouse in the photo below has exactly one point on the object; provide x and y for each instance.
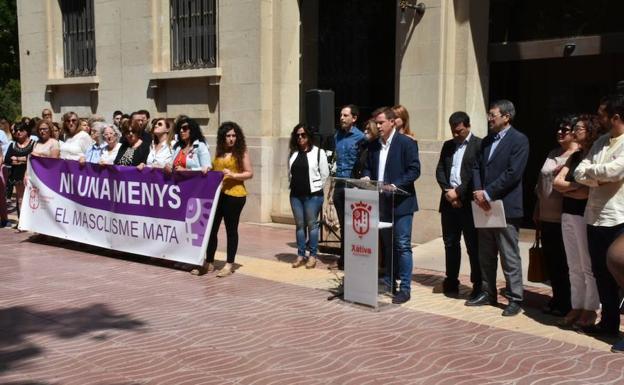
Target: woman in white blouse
(77, 142)
(160, 153)
(111, 139)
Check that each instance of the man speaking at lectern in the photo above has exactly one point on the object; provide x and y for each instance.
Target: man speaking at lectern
(394, 160)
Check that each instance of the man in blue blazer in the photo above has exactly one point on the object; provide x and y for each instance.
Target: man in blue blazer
(498, 176)
(394, 160)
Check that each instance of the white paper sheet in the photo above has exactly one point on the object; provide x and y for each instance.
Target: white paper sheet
(493, 218)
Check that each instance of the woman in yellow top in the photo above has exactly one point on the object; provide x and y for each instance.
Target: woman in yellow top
(232, 159)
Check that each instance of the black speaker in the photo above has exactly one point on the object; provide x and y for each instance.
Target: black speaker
(319, 111)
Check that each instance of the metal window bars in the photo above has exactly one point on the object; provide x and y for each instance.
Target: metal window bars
(193, 34)
(78, 37)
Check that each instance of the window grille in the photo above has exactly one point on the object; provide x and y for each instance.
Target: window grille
(193, 34)
(78, 37)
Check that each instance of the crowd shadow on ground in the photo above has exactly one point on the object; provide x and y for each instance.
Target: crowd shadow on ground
(327, 259)
(17, 323)
(109, 253)
(532, 304)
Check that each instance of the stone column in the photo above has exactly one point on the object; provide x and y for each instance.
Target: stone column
(442, 68)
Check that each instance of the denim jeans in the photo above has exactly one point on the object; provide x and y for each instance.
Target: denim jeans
(402, 251)
(306, 212)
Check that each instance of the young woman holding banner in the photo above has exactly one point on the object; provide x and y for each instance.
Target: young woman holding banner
(232, 159)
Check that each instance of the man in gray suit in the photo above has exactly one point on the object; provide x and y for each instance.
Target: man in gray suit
(498, 176)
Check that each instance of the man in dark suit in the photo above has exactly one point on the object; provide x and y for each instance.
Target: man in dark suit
(454, 175)
(498, 176)
(394, 160)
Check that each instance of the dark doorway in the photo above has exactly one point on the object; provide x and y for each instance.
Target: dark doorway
(543, 90)
(349, 45)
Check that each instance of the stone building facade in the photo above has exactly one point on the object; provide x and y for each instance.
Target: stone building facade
(259, 78)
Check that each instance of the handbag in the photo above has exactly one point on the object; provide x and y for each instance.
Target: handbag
(538, 271)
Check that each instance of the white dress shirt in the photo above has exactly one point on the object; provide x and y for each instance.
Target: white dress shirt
(383, 155)
(458, 157)
(603, 171)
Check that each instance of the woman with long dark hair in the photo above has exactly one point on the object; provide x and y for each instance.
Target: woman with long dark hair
(307, 172)
(190, 151)
(161, 152)
(233, 160)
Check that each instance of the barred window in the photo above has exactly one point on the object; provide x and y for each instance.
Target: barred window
(193, 34)
(78, 37)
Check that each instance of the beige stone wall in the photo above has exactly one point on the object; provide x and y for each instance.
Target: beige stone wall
(442, 67)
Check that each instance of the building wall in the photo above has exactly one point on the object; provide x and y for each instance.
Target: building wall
(257, 82)
(442, 67)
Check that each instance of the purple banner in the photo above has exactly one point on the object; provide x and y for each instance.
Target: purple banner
(126, 190)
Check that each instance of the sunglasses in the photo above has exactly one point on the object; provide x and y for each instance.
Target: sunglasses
(185, 128)
(71, 120)
(302, 135)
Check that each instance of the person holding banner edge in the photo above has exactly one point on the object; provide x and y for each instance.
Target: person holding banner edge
(232, 158)
(394, 160)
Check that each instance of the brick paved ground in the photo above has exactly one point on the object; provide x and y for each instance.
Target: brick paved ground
(73, 314)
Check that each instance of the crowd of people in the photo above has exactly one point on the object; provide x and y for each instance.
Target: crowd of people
(579, 214)
(132, 140)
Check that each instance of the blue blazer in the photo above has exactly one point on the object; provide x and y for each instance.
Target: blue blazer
(402, 169)
(501, 175)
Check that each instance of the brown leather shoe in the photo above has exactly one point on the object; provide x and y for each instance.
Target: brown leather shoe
(570, 318)
(311, 263)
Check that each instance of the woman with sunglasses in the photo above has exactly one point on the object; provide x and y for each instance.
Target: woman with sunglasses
(160, 153)
(307, 172)
(547, 217)
(46, 146)
(232, 159)
(77, 142)
(190, 151)
(133, 151)
(584, 292)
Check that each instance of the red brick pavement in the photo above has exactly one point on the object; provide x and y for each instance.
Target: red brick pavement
(69, 315)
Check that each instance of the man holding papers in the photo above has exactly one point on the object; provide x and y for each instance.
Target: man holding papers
(497, 176)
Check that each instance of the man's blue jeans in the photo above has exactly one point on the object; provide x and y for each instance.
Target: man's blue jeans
(306, 212)
(402, 249)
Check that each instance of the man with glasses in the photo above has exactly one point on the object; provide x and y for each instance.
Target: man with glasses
(497, 175)
(46, 114)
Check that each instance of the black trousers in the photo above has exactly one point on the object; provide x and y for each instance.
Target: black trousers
(599, 238)
(339, 204)
(554, 252)
(228, 210)
(455, 222)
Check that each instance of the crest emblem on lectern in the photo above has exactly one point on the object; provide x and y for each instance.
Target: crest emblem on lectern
(361, 214)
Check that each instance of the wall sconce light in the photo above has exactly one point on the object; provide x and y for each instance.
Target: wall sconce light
(568, 49)
(404, 4)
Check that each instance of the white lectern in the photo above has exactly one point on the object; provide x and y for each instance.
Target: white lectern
(361, 238)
